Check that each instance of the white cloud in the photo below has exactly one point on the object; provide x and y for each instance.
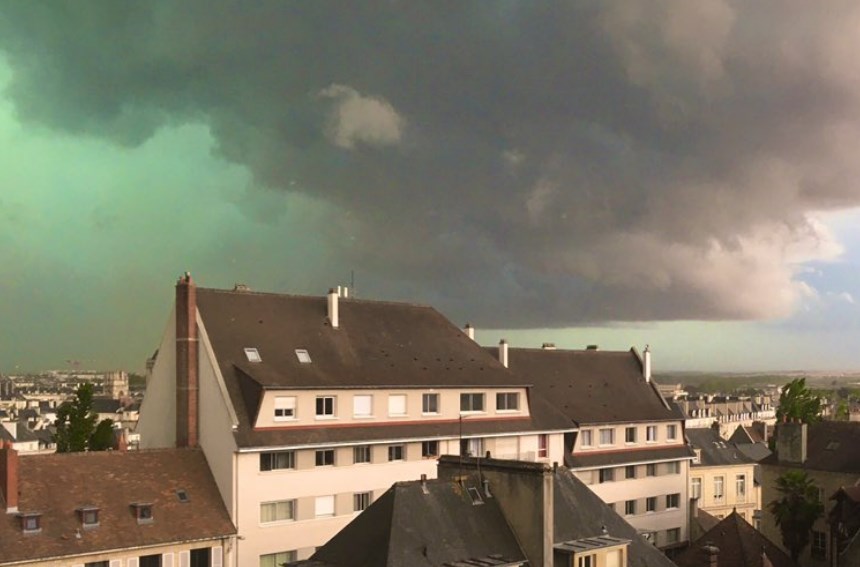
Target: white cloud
(360, 119)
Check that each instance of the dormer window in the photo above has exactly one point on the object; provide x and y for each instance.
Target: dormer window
(143, 512)
(252, 354)
(31, 522)
(89, 516)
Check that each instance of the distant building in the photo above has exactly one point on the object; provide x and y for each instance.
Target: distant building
(115, 384)
(727, 411)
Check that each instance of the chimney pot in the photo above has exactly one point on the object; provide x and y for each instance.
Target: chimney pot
(503, 352)
(646, 363)
(592, 347)
(548, 346)
(470, 331)
(333, 294)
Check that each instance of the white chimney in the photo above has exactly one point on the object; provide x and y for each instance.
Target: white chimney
(503, 352)
(345, 292)
(548, 346)
(470, 331)
(332, 307)
(646, 363)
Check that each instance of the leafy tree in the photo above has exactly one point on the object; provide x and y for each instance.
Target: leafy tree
(796, 510)
(796, 401)
(76, 425)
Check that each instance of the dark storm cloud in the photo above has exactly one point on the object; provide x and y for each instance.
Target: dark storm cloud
(525, 164)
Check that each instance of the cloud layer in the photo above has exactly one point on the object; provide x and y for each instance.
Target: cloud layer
(522, 164)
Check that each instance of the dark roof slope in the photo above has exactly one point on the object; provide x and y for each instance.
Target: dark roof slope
(408, 527)
(377, 344)
(831, 446)
(715, 450)
(591, 386)
(738, 543)
(106, 405)
(57, 485)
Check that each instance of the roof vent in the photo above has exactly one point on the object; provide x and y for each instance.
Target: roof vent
(182, 495)
(548, 346)
(592, 347)
(241, 288)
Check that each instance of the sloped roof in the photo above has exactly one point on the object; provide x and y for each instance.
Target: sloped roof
(106, 405)
(831, 446)
(591, 386)
(57, 485)
(739, 545)
(377, 345)
(715, 450)
(407, 527)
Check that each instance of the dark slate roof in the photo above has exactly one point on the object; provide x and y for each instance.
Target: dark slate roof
(106, 405)
(56, 485)
(407, 527)
(615, 458)
(705, 520)
(378, 344)
(24, 433)
(715, 450)
(28, 413)
(591, 386)
(831, 446)
(754, 451)
(739, 544)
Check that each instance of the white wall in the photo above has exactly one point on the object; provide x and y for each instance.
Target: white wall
(157, 423)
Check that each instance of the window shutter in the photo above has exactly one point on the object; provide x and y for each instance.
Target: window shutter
(133, 562)
(184, 559)
(167, 560)
(116, 563)
(216, 556)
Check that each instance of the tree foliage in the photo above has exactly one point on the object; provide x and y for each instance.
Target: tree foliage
(796, 401)
(796, 510)
(76, 425)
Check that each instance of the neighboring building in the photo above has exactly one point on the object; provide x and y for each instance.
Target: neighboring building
(733, 543)
(309, 408)
(828, 452)
(722, 478)
(844, 521)
(112, 509)
(19, 435)
(727, 411)
(489, 512)
(630, 449)
(115, 384)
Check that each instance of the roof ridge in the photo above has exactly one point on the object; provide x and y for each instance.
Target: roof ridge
(320, 297)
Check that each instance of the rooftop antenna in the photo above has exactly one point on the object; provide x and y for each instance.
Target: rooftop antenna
(352, 281)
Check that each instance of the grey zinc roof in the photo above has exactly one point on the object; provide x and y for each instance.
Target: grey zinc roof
(591, 386)
(377, 345)
(715, 450)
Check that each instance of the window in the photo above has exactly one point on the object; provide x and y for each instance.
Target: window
(741, 487)
(324, 506)
(697, 457)
(275, 559)
(201, 557)
(673, 535)
(607, 475)
(507, 401)
(285, 408)
(630, 435)
(361, 454)
(360, 501)
(630, 508)
(149, 560)
(651, 469)
(143, 512)
(819, 545)
(471, 402)
(696, 488)
(718, 489)
(362, 406)
(821, 496)
(586, 437)
(303, 356)
(651, 504)
(277, 511)
(89, 516)
(543, 442)
(471, 447)
(253, 355)
(630, 471)
(429, 449)
(276, 460)
(325, 407)
(673, 468)
(395, 452)
(673, 500)
(651, 433)
(587, 560)
(31, 523)
(671, 432)
(397, 404)
(97, 564)
(324, 457)
(607, 436)
(430, 403)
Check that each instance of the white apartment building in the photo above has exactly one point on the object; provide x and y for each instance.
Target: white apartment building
(308, 408)
(630, 449)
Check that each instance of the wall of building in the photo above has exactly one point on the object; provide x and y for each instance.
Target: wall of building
(157, 423)
(219, 549)
(746, 505)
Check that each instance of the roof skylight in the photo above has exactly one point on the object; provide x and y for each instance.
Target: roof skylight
(303, 356)
(253, 354)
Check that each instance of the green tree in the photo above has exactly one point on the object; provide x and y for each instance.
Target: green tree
(796, 510)
(76, 424)
(796, 401)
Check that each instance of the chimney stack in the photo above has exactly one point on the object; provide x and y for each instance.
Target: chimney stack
(713, 554)
(503, 352)
(186, 363)
(791, 443)
(9, 476)
(120, 440)
(333, 294)
(646, 363)
(470, 331)
(548, 346)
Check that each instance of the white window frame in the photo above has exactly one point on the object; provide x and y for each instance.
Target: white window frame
(286, 406)
(362, 406)
(276, 457)
(361, 500)
(503, 399)
(471, 397)
(630, 507)
(288, 507)
(673, 501)
(325, 453)
(425, 398)
(719, 489)
(586, 438)
(651, 434)
(365, 450)
(393, 451)
(635, 435)
(397, 405)
(324, 506)
(696, 487)
(650, 504)
(611, 432)
(671, 432)
(325, 413)
(426, 449)
(279, 558)
(253, 355)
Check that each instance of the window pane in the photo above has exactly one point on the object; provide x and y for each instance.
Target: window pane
(361, 454)
(430, 403)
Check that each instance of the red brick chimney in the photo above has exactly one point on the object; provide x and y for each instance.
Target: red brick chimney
(186, 362)
(120, 440)
(9, 476)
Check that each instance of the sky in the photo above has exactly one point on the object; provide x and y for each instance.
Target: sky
(678, 174)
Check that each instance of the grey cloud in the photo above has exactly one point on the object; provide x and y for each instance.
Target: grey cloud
(519, 163)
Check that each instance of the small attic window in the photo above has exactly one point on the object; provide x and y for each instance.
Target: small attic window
(143, 512)
(253, 354)
(303, 356)
(89, 516)
(832, 446)
(182, 495)
(31, 523)
(475, 495)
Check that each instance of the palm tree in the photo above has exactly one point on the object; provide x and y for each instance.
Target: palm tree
(796, 510)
